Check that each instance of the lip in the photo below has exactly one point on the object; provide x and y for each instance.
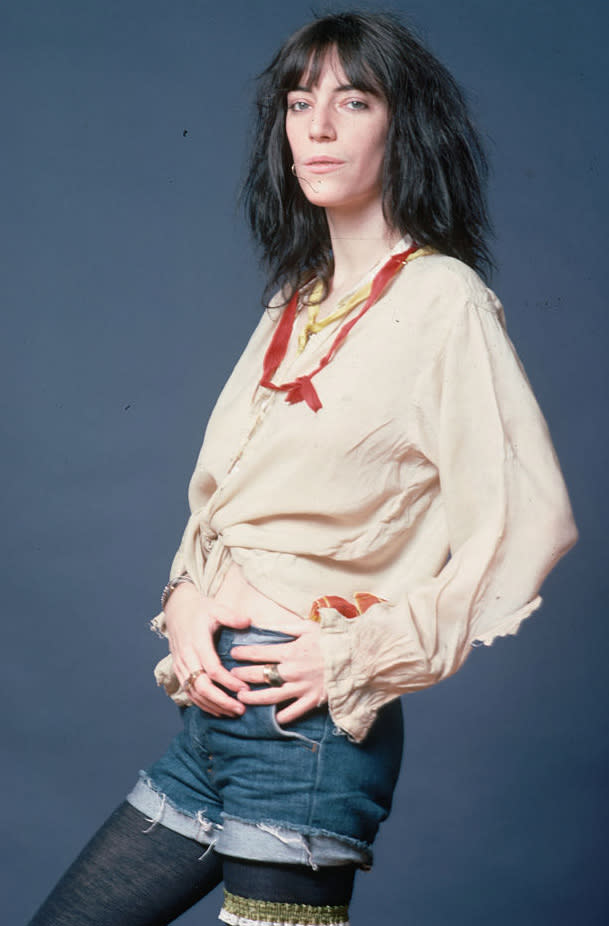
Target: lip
(321, 164)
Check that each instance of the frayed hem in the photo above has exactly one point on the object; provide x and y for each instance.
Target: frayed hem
(510, 625)
(159, 810)
(271, 840)
(271, 825)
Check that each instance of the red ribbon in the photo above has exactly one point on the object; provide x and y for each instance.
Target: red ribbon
(302, 388)
(363, 601)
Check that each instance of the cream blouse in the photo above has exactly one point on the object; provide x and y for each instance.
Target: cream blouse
(427, 478)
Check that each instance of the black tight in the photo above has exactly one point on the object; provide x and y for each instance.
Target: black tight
(127, 877)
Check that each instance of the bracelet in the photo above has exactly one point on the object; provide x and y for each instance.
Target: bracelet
(171, 587)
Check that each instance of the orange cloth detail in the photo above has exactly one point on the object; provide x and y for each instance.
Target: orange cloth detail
(363, 601)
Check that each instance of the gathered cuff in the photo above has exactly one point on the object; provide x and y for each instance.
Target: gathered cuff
(338, 673)
(356, 689)
(167, 679)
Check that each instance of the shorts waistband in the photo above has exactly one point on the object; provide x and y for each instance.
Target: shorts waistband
(250, 636)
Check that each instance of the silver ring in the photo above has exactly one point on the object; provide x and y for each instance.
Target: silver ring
(272, 676)
(192, 678)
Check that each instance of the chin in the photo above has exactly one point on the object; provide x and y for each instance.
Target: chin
(320, 192)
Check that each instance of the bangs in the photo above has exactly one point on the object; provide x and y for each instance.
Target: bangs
(303, 60)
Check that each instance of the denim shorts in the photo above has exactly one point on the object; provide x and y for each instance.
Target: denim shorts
(299, 794)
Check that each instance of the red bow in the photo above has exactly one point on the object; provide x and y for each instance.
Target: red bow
(302, 388)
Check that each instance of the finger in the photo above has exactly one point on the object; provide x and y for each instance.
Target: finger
(297, 709)
(272, 652)
(251, 674)
(212, 699)
(209, 708)
(221, 676)
(216, 672)
(200, 655)
(212, 711)
(270, 695)
(213, 670)
(255, 675)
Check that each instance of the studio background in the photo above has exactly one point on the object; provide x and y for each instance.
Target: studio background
(129, 288)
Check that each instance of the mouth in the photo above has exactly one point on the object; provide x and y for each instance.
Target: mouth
(322, 164)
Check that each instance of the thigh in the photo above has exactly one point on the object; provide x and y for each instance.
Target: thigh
(131, 874)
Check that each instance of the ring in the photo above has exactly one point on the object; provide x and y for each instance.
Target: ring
(192, 678)
(272, 676)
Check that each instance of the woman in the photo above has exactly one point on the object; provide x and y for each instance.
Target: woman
(376, 491)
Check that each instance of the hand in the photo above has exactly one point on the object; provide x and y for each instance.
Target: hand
(300, 665)
(192, 620)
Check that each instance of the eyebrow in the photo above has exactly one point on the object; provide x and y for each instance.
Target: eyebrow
(341, 88)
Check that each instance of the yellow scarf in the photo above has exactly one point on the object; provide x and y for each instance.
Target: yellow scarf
(345, 305)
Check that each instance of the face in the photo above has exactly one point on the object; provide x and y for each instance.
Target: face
(337, 135)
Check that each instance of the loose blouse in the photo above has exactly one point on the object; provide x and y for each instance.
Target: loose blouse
(427, 478)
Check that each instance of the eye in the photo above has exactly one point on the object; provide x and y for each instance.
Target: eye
(356, 105)
(298, 106)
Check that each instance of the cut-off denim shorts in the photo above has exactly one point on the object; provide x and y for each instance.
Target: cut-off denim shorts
(298, 794)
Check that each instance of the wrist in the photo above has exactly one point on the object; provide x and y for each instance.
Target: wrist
(171, 587)
(180, 597)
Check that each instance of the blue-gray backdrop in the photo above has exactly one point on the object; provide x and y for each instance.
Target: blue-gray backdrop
(128, 289)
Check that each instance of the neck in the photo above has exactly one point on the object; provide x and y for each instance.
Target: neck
(358, 243)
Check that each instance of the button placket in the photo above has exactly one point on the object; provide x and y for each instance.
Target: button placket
(260, 413)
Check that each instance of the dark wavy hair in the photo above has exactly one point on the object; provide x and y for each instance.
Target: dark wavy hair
(435, 168)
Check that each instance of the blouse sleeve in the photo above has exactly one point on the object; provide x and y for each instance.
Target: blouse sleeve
(508, 519)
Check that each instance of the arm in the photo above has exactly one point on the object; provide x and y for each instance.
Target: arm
(508, 518)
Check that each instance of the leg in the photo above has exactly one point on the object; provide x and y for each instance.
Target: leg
(261, 892)
(125, 877)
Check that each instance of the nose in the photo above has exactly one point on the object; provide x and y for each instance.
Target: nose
(321, 126)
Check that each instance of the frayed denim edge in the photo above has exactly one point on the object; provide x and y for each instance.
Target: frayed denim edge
(159, 809)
